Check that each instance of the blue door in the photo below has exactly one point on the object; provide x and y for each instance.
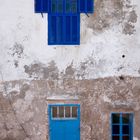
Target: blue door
(64, 122)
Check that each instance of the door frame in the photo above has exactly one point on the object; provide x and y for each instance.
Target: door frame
(62, 104)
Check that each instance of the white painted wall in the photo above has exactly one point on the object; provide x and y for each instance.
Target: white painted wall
(20, 25)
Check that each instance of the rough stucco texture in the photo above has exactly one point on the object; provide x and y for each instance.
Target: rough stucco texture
(109, 46)
(102, 73)
(23, 105)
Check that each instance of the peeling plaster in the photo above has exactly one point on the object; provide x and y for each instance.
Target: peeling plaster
(98, 98)
(102, 73)
(113, 26)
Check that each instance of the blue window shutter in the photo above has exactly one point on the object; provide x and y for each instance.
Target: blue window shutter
(52, 6)
(86, 6)
(76, 29)
(38, 5)
(74, 6)
(51, 29)
(71, 6)
(89, 4)
(60, 7)
(67, 29)
(59, 31)
(45, 6)
(41, 6)
(56, 6)
(63, 29)
(82, 6)
(64, 19)
(55, 29)
(72, 29)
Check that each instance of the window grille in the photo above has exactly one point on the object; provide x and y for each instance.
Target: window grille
(122, 126)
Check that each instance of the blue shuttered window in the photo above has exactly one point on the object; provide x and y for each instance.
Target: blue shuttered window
(86, 6)
(68, 6)
(63, 23)
(63, 29)
(63, 19)
(41, 6)
(122, 126)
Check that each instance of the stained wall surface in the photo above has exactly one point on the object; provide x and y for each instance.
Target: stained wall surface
(109, 42)
(102, 74)
(24, 113)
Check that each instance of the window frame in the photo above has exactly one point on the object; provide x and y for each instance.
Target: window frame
(121, 124)
(64, 118)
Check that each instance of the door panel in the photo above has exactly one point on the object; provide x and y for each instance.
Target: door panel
(64, 128)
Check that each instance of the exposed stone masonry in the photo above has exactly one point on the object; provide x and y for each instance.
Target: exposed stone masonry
(23, 105)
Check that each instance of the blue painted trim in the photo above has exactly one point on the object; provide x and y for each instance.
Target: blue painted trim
(110, 126)
(121, 127)
(131, 125)
(64, 105)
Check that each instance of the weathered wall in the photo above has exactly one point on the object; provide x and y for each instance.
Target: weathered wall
(102, 73)
(110, 42)
(23, 105)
